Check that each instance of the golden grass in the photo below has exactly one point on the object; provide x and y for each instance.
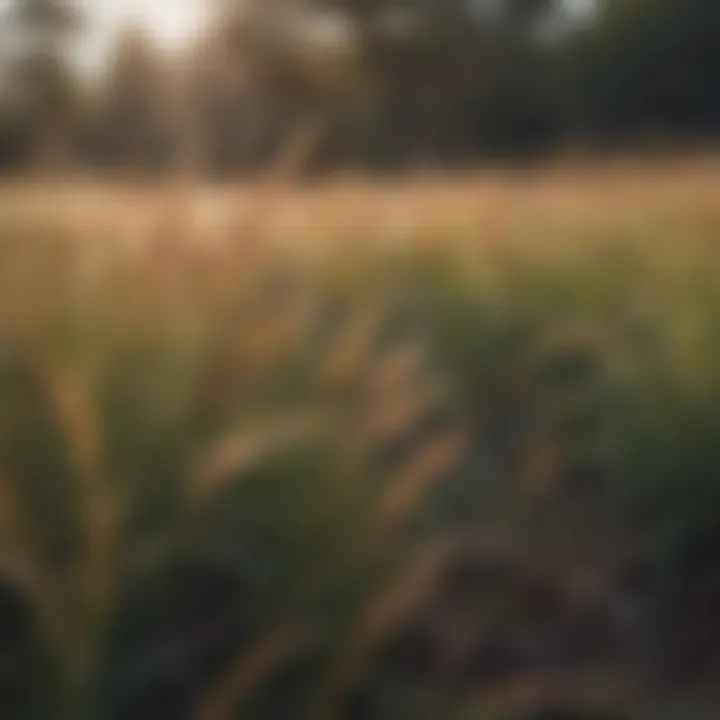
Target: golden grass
(215, 340)
(329, 210)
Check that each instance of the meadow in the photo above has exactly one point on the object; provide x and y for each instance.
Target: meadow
(419, 449)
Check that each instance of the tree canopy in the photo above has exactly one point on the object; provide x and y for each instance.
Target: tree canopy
(390, 82)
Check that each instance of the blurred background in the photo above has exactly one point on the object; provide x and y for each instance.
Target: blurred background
(222, 86)
(359, 360)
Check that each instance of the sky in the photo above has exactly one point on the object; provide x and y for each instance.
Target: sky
(170, 21)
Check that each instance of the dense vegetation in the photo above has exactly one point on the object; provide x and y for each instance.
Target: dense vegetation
(377, 83)
(362, 452)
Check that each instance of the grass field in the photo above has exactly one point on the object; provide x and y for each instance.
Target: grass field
(421, 449)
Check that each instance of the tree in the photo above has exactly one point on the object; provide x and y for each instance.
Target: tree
(649, 67)
(44, 85)
(441, 79)
(135, 127)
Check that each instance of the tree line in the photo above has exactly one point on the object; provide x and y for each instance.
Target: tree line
(372, 83)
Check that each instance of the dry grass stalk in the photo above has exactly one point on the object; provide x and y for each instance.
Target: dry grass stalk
(241, 451)
(349, 358)
(423, 470)
(228, 695)
(378, 620)
(100, 506)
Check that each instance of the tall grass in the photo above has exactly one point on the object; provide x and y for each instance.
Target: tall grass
(444, 453)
